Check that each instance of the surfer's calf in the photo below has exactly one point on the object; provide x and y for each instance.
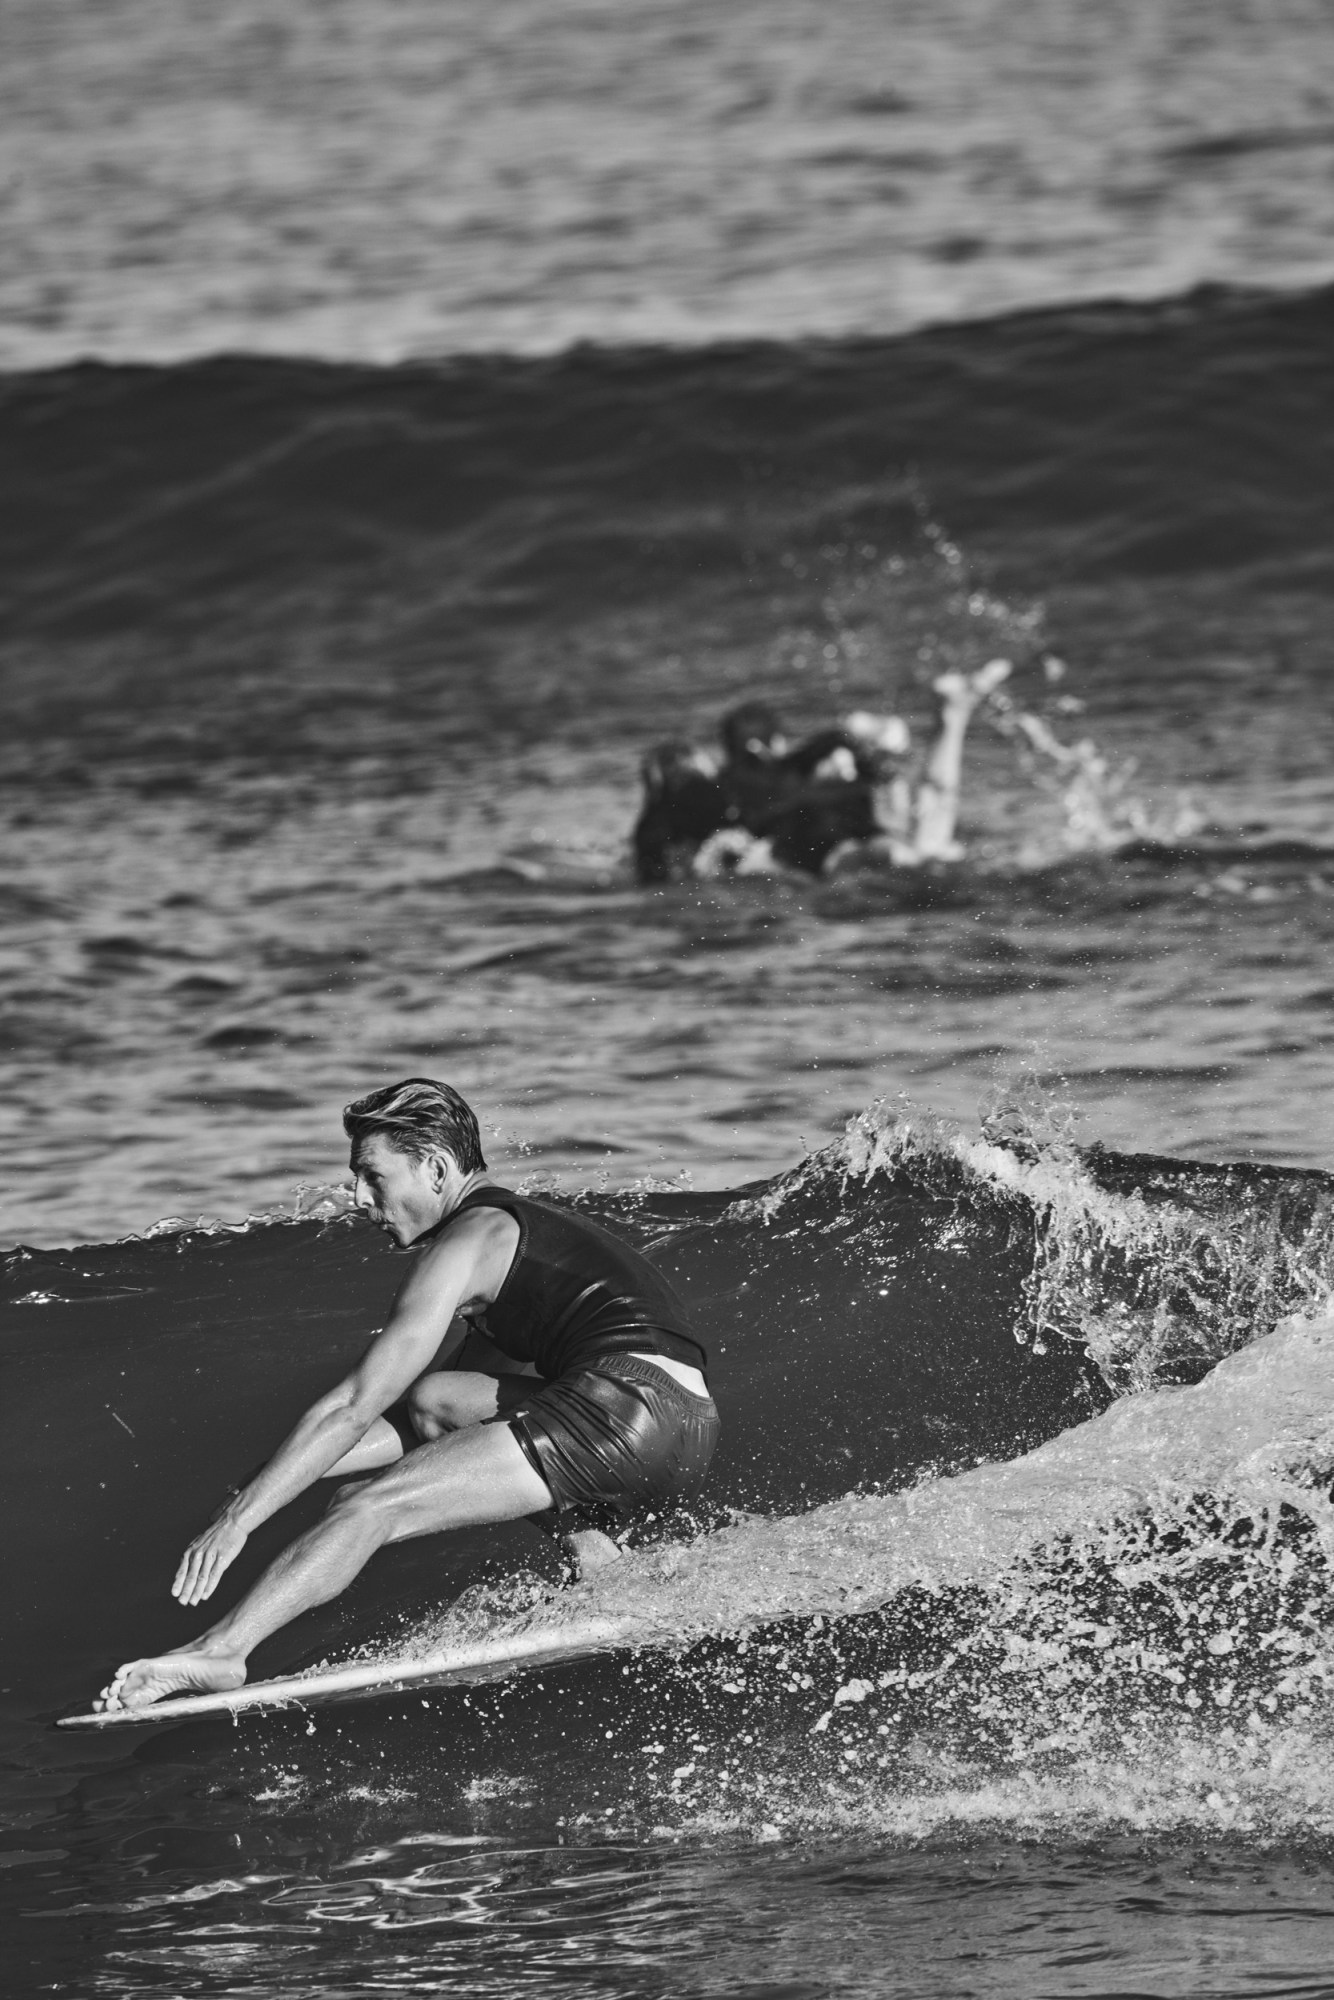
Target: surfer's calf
(594, 1397)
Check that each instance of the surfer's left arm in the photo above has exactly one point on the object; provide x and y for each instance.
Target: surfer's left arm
(468, 1263)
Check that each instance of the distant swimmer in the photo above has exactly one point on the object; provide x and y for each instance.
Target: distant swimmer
(691, 795)
(584, 1393)
(843, 793)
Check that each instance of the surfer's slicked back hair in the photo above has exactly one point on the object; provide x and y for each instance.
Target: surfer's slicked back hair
(418, 1116)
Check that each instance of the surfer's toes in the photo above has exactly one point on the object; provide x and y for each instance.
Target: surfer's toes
(110, 1695)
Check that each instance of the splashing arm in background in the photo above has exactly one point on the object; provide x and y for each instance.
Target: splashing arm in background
(918, 821)
(936, 812)
(466, 1265)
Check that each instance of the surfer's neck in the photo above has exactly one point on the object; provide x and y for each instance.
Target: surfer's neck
(469, 1184)
(452, 1201)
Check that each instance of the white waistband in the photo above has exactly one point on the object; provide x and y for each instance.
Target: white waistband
(680, 1371)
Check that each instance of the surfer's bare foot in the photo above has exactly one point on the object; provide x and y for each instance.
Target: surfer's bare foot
(591, 1550)
(142, 1682)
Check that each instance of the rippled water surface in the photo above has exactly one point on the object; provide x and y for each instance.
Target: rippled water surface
(428, 1913)
(211, 978)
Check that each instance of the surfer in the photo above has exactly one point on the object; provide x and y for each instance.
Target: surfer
(842, 794)
(590, 1397)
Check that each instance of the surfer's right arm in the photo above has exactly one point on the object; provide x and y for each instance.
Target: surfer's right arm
(465, 1266)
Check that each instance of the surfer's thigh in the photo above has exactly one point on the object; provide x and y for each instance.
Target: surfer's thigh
(471, 1476)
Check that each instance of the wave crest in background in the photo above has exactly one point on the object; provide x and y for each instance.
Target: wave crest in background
(226, 549)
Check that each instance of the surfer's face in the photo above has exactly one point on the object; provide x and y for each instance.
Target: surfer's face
(402, 1195)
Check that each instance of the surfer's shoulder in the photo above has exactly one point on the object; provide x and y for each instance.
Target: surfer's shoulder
(485, 1233)
(486, 1222)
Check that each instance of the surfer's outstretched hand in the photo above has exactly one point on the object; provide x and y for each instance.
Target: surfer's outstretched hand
(205, 1560)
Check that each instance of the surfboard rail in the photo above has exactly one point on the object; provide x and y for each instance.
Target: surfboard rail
(489, 1659)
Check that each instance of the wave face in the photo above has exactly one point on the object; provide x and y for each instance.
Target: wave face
(1021, 1524)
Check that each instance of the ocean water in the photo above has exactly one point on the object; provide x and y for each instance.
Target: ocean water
(370, 181)
(342, 592)
(327, 688)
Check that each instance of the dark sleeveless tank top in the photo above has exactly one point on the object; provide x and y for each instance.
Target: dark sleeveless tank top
(575, 1292)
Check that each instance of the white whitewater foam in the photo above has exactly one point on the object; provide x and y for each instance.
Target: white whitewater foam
(1249, 1436)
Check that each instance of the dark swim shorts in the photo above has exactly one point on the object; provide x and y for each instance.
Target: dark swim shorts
(624, 1432)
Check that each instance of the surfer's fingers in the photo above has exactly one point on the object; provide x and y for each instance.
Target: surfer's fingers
(203, 1564)
(187, 1576)
(184, 1570)
(207, 1572)
(192, 1591)
(207, 1581)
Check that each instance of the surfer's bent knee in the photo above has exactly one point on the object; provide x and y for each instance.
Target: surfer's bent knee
(435, 1414)
(453, 1401)
(376, 1502)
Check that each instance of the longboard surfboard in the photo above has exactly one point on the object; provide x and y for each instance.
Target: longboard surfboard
(487, 1660)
